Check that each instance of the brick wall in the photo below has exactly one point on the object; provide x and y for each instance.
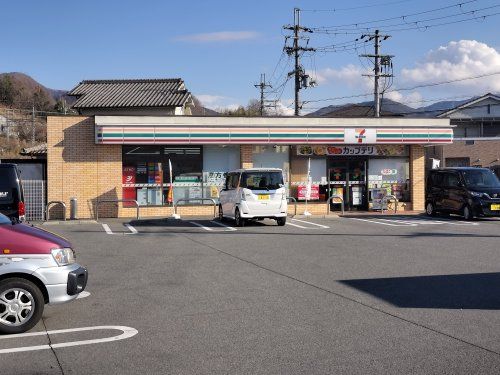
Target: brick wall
(246, 156)
(417, 177)
(77, 167)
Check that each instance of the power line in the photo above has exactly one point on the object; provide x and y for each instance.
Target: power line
(406, 88)
(416, 22)
(416, 27)
(399, 17)
(357, 7)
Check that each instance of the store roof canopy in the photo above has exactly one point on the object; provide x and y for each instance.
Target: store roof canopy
(130, 93)
(273, 130)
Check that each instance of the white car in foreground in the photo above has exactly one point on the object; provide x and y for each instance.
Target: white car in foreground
(256, 193)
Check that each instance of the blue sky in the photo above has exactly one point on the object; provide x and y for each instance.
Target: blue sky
(220, 47)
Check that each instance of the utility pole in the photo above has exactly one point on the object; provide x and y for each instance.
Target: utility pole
(262, 86)
(302, 80)
(384, 60)
(33, 123)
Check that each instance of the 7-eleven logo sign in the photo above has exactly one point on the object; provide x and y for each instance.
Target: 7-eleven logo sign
(360, 135)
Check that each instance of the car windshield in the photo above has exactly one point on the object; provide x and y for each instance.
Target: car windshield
(262, 180)
(481, 178)
(4, 220)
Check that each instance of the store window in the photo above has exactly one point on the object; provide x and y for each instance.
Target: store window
(197, 172)
(146, 173)
(391, 175)
(272, 156)
(217, 161)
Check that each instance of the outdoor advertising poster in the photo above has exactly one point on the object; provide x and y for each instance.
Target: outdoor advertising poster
(302, 192)
(128, 178)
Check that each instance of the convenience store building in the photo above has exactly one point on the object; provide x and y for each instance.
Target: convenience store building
(115, 157)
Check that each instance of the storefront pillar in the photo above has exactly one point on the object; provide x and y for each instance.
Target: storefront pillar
(417, 177)
(246, 156)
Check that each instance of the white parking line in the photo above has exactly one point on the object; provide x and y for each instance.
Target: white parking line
(127, 332)
(295, 225)
(83, 294)
(308, 222)
(107, 229)
(382, 223)
(129, 227)
(413, 222)
(228, 228)
(201, 226)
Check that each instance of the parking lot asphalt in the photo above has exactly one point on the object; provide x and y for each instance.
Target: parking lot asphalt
(353, 295)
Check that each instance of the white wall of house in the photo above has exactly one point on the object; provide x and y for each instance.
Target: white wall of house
(489, 107)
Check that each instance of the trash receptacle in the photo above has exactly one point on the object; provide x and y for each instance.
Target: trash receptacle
(73, 208)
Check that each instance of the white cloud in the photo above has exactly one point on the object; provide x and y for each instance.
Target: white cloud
(412, 99)
(284, 108)
(457, 60)
(208, 100)
(221, 36)
(351, 75)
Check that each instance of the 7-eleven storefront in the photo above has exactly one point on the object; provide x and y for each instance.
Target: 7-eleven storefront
(128, 157)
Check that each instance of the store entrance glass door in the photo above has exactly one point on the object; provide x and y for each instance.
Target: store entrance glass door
(347, 178)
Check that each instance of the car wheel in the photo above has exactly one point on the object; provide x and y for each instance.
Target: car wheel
(240, 222)
(21, 305)
(467, 213)
(429, 209)
(221, 213)
(281, 221)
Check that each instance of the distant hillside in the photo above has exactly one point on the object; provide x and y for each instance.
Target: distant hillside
(19, 90)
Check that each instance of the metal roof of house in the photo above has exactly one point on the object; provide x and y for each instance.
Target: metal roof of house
(169, 92)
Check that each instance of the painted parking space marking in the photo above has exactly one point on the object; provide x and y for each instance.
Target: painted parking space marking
(201, 226)
(228, 228)
(296, 225)
(311, 223)
(107, 228)
(413, 222)
(83, 294)
(132, 230)
(383, 223)
(127, 332)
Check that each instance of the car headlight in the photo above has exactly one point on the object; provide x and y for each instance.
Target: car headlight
(63, 256)
(479, 194)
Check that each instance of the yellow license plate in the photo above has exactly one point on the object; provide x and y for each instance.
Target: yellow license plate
(263, 197)
(495, 207)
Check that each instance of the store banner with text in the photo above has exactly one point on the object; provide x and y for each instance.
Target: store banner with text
(369, 150)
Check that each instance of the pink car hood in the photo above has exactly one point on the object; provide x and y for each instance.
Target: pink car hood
(24, 239)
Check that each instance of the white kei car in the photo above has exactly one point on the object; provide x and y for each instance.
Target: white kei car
(256, 193)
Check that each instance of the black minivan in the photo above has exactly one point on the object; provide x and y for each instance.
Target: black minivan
(467, 191)
(11, 192)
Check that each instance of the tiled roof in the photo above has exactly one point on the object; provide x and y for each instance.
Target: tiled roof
(40, 149)
(125, 93)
